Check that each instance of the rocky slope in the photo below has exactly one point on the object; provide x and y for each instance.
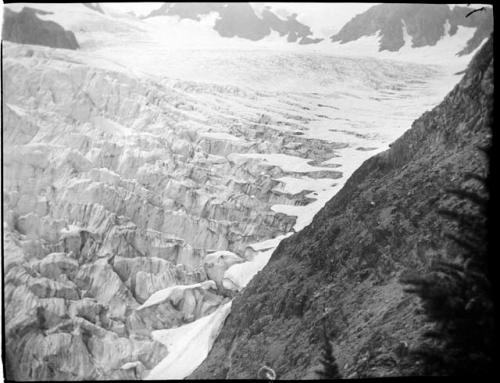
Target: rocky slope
(426, 24)
(345, 266)
(25, 27)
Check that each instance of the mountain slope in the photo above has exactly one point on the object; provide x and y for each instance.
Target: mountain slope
(425, 23)
(25, 27)
(344, 268)
(436, 32)
(240, 20)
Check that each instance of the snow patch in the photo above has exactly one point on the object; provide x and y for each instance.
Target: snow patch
(242, 273)
(296, 185)
(188, 345)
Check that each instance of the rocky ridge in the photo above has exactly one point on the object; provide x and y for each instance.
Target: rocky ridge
(395, 31)
(25, 27)
(426, 24)
(241, 20)
(344, 268)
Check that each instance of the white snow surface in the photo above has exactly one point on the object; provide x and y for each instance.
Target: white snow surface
(242, 273)
(161, 40)
(296, 185)
(221, 136)
(188, 345)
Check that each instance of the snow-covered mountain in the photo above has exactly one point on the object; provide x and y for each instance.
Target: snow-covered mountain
(426, 24)
(241, 20)
(412, 32)
(151, 173)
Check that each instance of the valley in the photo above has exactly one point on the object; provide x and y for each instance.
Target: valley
(118, 187)
(146, 184)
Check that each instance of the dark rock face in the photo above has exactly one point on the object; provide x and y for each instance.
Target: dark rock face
(191, 11)
(240, 20)
(344, 268)
(294, 30)
(483, 20)
(26, 28)
(425, 23)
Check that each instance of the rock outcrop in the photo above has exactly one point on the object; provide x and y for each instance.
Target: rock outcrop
(241, 20)
(26, 28)
(426, 24)
(344, 268)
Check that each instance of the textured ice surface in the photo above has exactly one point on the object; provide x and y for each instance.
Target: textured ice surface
(162, 295)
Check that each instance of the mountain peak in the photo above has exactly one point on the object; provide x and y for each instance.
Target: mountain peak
(40, 32)
(424, 23)
(241, 20)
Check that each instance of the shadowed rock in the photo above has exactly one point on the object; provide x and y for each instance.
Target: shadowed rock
(26, 28)
(240, 20)
(425, 23)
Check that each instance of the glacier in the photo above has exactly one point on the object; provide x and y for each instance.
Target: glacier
(146, 183)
